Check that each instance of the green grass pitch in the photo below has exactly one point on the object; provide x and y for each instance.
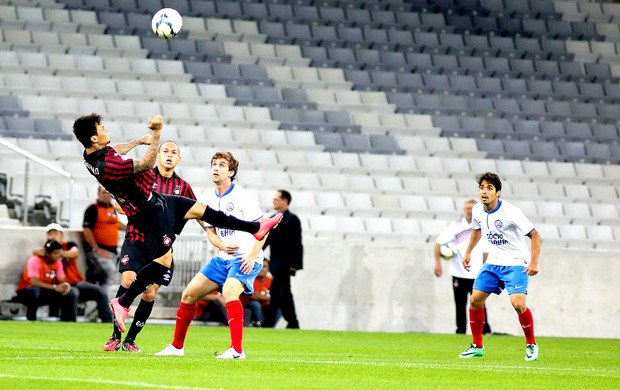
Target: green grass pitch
(53, 355)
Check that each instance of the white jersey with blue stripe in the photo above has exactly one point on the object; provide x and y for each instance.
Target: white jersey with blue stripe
(240, 203)
(505, 229)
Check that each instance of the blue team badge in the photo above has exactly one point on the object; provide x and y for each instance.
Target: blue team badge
(498, 224)
(230, 207)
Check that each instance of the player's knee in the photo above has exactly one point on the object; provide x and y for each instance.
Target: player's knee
(476, 303)
(127, 278)
(520, 308)
(231, 290)
(165, 260)
(149, 295)
(189, 297)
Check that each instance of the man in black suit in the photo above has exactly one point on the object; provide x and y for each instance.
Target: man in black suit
(286, 259)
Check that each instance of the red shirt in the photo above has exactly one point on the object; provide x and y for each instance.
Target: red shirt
(36, 267)
(72, 272)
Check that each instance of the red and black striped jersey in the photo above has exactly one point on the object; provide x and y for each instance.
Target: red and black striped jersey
(164, 185)
(172, 186)
(116, 175)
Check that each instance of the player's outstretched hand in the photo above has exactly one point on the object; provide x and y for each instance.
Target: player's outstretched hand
(532, 269)
(466, 259)
(156, 123)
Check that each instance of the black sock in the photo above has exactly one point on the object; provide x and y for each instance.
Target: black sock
(117, 332)
(221, 220)
(142, 314)
(147, 275)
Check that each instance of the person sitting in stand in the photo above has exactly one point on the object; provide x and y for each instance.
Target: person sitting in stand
(43, 283)
(86, 291)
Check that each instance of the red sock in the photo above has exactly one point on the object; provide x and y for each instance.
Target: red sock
(185, 315)
(235, 323)
(527, 323)
(476, 323)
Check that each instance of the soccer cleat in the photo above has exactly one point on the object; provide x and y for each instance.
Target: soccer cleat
(231, 354)
(170, 350)
(130, 346)
(471, 352)
(531, 352)
(120, 313)
(266, 225)
(112, 345)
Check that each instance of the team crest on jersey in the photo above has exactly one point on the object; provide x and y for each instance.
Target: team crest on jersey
(177, 190)
(498, 224)
(125, 260)
(230, 207)
(167, 240)
(154, 186)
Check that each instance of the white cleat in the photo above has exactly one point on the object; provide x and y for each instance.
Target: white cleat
(231, 354)
(170, 350)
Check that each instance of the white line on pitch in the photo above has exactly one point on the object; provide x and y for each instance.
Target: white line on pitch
(102, 381)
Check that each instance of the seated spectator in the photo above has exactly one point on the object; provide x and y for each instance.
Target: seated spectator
(212, 308)
(255, 307)
(86, 291)
(43, 283)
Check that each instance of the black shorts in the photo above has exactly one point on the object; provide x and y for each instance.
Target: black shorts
(134, 257)
(160, 220)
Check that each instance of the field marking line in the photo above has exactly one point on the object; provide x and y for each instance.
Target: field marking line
(589, 371)
(585, 371)
(102, 381)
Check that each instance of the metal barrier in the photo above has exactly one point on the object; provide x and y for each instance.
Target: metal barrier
(190, 254)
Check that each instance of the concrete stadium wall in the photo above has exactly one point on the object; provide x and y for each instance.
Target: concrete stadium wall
(391, 288)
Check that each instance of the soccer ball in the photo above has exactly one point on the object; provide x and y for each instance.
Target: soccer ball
(447, 251)
(166, 23)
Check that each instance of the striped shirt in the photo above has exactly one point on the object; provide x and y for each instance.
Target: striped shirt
(116, 175)
(169, 186)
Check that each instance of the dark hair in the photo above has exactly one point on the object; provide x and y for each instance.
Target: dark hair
(491, 178)
(233, 163)
(85, 127)
(51, 246)
(286, 195)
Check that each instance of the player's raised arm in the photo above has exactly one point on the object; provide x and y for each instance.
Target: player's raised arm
(125, 147)
(148, 161)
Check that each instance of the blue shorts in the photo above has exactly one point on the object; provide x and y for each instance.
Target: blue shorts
(494, 278)
(218, 270)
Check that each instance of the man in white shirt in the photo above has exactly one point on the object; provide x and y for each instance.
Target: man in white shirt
(458, 234)
(509, 264)
(236, 265)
